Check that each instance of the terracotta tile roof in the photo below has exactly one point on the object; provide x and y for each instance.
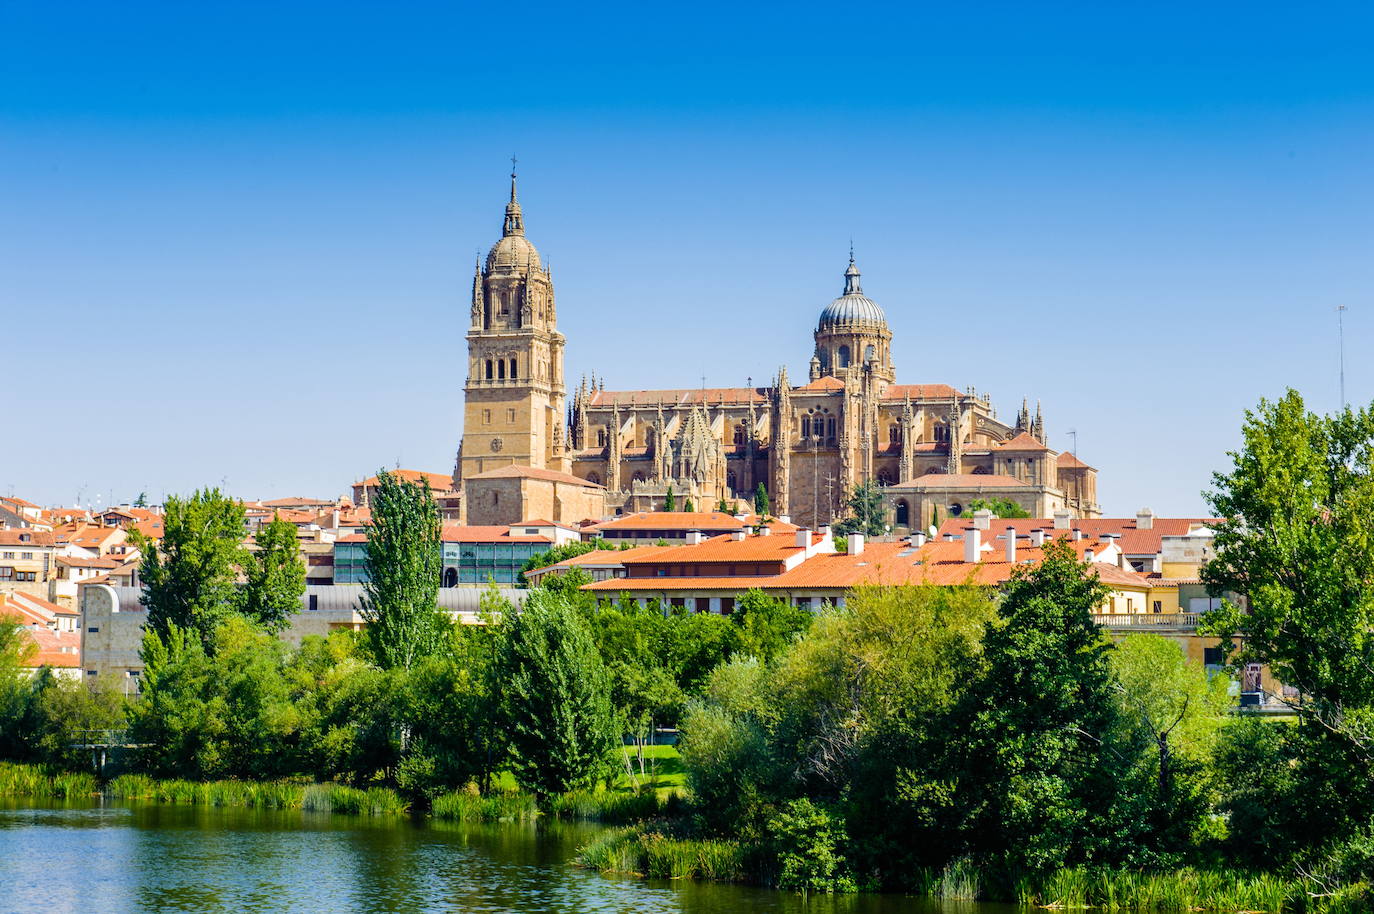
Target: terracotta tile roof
(455, 533)
(937, 563)
(439, 482)
(775, 548)
(826, 383)
(151, 528)
(1022, 442)
(680, 520)
(962, 481)
(17, 502)
(1133, 541)
(352, 538)
(919, 392)
(610, 557)
(55, 649)
(1067, 461)
(708, 396)
(27, 537)
(298, 501)
(73, 561)
(539, 522)
(43, 605)
(514, 472)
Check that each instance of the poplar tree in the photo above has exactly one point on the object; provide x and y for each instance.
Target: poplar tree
(556, 696)
(276, 576)
(687, 505)
(669, 501)
(190, 576)
(761, 506)
(400, 598)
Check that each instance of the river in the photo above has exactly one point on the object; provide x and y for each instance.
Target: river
(79, 859)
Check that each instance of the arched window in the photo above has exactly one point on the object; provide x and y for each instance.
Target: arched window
(843, 358)
(638, 477)
(806, 427)
(894, 434)
(512, 369)
(594, 478)
(885, 477)
(601, 437)
(450, 577)
(903, 513)
(730, 481)
(829, 428)
(980, 471)
(868, 353)
(505, 303)
(501, 369)
(488, 369)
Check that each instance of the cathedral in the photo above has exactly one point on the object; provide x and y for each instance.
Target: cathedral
(931, 448)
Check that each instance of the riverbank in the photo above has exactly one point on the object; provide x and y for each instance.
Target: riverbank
(649, 853)
(616, 807)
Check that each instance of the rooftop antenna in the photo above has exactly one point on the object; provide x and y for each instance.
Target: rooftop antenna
(1340, 332)
(1073, 433)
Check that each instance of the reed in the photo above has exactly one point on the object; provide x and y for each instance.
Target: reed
(17, 780)
(958, 881)
(657, 856)
(608, 807)
(374, 801)
(470, 806)
(1181, 890)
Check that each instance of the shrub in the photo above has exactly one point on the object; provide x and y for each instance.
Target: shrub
(808, 839)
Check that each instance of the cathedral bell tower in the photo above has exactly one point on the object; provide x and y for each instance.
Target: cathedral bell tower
(514, 391)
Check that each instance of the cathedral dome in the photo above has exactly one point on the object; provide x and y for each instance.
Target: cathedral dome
(513, 252)
(853, 307)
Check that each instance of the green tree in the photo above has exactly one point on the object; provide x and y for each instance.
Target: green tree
(555, 696)
(18, 721)
(867, 514)
(1032, 763)
(1298, 505)
(400, 597)
(723, 506)
(669, 500)
(761, 506)
(561, 553)
(1171, 716)
(142, 500)
(767, 625)
(1000, 507)
(276, 577)
(687, 504)
(65, 708)
(190, 575)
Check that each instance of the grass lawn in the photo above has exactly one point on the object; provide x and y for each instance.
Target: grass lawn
(662, 767)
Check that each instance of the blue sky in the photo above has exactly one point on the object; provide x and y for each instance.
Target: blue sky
(236, 240)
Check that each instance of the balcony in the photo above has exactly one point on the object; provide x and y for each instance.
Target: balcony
(1149, 621)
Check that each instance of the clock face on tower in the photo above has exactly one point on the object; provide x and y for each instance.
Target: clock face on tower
(497, 444)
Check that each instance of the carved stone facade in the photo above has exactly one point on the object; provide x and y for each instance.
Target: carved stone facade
(809, 445)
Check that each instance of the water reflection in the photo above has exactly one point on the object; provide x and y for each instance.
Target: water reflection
(77, 859)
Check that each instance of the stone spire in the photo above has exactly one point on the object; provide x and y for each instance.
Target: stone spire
(478, 299)
(613, 450)
(1038, 426)
(515, 223)
(906, 463)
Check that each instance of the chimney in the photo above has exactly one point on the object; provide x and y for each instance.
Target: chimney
(1037, 538)
(1144, 519)
(1077, 535)
(982, 519)
(693, 537)
(737, 535)
(973, 550)
(1011, 545)
(856, 544)
(785, 518)
(917, 540)
(765, 530)
(1061, 519)
(824, 531)
(1089, 555)
(334, 519)
(803, 538)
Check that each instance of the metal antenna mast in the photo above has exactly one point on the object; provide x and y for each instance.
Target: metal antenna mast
(1340, 332)
(1073, 433)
